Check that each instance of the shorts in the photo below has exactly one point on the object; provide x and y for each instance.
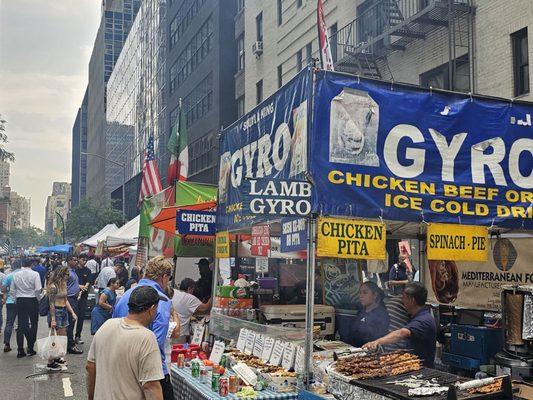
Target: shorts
(62, 320)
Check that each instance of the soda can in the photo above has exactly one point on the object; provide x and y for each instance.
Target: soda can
(223, 361)
(205, 347)
(203, 374)
(223, 387)
(215, 381)
(195, 368)
(181, 360)
(233, 384)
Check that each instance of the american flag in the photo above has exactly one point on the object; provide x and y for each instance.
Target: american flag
(151, 181)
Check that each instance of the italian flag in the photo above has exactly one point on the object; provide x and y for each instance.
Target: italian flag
(179, 150)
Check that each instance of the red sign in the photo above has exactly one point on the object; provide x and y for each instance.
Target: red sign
(260, 240)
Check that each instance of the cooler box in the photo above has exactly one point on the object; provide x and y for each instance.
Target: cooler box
(293, 316)
(476, 342)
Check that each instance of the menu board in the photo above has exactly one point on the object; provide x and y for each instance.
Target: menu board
(250, 340)
(267, 348)
(288, 356)
(258, 345)
(299, 361)
(216, 353)
(241, 341)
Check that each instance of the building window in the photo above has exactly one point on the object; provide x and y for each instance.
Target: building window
(201, 154)
(280, 13)
(259, 91)
(240, 5)
(174, 31)
(280, 75)
(438, 78)
(173, 76)
(259, 27)
(299, 3)
(240, 53)
(195, 52)
(309, 53)
(333, 41)
(520, 62)
(199, 101)
(188, 11)
(240, 106)
(299, 61)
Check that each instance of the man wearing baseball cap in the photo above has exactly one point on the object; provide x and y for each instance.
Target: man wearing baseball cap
(158, 275)
(124, 360)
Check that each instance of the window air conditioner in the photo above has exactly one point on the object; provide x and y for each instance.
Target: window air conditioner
(257, 48)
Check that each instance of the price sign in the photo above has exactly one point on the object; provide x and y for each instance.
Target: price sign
(244, 372)
(267, 348)
(288, 356)
(277, 352)
(260, 245)
(218, 350)
(250, 340)
(258, 345)
(261, 265)
(299, 361)
(198, 334)
(241, 341)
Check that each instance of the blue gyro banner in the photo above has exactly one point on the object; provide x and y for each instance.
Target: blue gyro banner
(293, 234)
(263, 160)
(202, 223)
(407, 154)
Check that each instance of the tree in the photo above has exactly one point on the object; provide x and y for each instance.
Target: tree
(4, 154)
(88, 218)
(28, 237)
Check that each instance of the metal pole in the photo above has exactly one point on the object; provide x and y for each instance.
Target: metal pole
(123, 194)
(310, 305)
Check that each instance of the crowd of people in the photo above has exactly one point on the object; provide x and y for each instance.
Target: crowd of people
(133, 330)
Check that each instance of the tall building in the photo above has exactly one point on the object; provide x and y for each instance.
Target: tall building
(464, 45)
(4, 175)
(20, 211)
(136, 102)
(57, 203)
(79, 160)
(5, 210)
(201, 67)
(115, 24)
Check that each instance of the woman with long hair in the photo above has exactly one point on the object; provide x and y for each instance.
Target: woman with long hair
(373, 320)
(106, 301)
(59, 308)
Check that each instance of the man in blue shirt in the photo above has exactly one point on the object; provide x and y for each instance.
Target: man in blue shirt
(41, 270)
(11, 307)
(158, 275)
(421, 331)
(73, 290)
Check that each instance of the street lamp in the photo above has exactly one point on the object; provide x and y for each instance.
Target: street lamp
(123, 180)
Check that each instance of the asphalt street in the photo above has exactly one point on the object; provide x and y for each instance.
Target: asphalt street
(16, 385)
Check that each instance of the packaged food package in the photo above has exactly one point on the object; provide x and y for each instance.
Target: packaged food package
(233, 292)
(224, 302)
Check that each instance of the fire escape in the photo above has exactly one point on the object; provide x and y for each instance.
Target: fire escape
(385, 26)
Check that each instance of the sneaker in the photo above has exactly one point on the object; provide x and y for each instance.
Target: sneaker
(74, 350)
(53, 366)
(31, 352)
(7, 349)
(78, 341)
(60, 360)
(21, 354)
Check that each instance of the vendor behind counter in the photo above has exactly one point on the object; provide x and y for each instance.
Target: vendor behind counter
(421, 331)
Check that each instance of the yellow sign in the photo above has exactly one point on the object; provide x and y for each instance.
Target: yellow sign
(449, 242)
(222, 245)
(347, 238)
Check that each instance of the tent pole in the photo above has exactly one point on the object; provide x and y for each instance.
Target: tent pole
(310, 304)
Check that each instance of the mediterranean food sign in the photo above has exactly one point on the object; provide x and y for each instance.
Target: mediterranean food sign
(474, 284)
(408, 154)
(457, 242)
(222, 244)
(263, 160)
(346, 238)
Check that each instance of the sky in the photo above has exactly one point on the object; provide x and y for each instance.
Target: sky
(45, 46)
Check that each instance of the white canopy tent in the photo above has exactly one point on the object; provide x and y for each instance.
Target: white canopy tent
(125, 235)
(101, 235)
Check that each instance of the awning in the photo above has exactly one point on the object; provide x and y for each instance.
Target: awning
(60, 248)
(109, 229)
(125, 235)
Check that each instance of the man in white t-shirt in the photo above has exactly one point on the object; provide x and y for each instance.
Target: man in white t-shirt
(186, 305)
(104, 276)
(92, 264)
(124, 360)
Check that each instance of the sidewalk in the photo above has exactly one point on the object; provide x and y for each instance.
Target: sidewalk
(13, 372)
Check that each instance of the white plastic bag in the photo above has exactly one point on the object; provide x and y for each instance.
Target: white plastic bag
(52, 346)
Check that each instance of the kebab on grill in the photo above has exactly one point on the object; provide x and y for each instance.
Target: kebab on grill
(378, 365)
